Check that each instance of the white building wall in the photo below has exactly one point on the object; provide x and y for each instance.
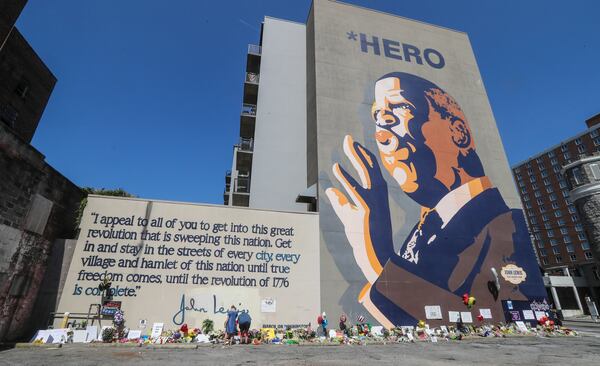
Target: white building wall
(279, 161)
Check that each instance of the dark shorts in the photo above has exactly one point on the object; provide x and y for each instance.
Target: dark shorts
(244, 328)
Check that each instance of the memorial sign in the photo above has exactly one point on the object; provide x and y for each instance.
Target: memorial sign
(179, 263)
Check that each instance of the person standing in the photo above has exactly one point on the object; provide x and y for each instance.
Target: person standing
(244, 321)
(230, 324)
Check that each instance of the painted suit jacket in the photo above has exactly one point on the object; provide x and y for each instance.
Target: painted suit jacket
(446, 262)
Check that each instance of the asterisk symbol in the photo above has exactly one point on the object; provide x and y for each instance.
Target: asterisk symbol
(351, 35)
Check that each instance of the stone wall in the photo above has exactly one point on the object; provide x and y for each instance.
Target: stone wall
(37, 206)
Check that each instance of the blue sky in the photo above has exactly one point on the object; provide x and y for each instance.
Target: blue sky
(149, 92)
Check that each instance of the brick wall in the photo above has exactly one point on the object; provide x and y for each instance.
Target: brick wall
(37, 206)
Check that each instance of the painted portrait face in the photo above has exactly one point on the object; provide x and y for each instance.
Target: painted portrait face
(423, 138)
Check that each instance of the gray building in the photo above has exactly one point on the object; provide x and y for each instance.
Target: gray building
(269, 162)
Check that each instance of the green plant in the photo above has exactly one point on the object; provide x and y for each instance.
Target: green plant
(207, 326)
(108, 334)
(119, 192)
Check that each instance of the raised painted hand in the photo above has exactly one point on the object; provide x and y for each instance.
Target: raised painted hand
(364, 209)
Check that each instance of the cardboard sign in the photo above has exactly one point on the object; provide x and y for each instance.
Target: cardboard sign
(453, 316)
(521, 326)
(134, 334)
(157, 329)
(466, 316)
(433, 312)
(515, 315)
(539, 315)
(485, 313)
(110, 307)
(528, 315)
(79, 336)
(91, 333)
(377, 330)
(58, 335)
(268, 305)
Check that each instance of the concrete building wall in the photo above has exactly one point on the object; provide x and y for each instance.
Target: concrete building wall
(279, 161)
(353, 49)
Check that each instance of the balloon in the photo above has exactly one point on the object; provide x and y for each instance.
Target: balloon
(471, 301)
(480, 317)
(421, 324)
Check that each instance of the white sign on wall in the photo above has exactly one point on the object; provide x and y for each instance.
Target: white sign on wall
(177, 263)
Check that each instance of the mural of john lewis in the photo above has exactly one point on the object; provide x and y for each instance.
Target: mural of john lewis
(465, 234)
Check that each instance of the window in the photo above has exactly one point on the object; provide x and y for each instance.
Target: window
(9, 115)
(553, 242)
(562, 183)
(588, 255)
(528, 204)
(595, 171)
(544, 173)
(556, 250)
(537, 194)
(557, 213)
(567, 239)
(581, 149)
(581, 236)
(528, 164)
(558, 259)
(551, 154)
(571, 209)
(540, 244)
(550, 233)
(519, 176)
(554, 161)
(564, 148)
(540, 201)
(556, 169)
(523, 191)
(532, 179)
(549, 189)
(561, 222)
(521, 184)
(574, 218)
(570, 248)
(553, 197)
(539, 160)
(578, 227)
(573, 257)
(577, 177)
(526, 198)
(564, 231)
(567, 156)
(565, 193)
(22, 88)
(585, 245)
(530, 171)
(535, 186)
(538, 236)
(594, 133)
(545, 218)
(545, 261)
(548, 226)
(542, 209)
(555, 205)
(596, 141)
(543, 252)
(533, 220)
(578, 141)
(546, 182)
